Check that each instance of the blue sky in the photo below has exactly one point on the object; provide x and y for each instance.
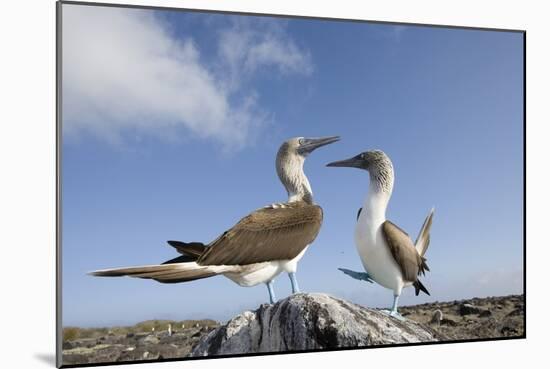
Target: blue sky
(171, 122)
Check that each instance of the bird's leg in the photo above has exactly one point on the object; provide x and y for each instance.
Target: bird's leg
(272, 298)
(294, 282)
(394, 306)
(393, 312)
(357, 275)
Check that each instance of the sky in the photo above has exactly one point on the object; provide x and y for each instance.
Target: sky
(170, 125)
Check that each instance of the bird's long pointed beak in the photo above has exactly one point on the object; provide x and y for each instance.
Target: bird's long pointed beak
(311, 144)
(348, 163)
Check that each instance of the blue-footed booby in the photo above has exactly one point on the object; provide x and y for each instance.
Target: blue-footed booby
(388, 254)
(261, 245)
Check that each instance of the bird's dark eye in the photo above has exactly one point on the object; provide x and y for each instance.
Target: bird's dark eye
(363, 156)
(301, 141)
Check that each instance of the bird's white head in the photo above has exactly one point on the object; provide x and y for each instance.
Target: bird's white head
(377, 163)
(290, 165)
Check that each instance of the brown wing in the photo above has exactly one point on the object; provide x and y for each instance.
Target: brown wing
(403, 251)
(277, 232)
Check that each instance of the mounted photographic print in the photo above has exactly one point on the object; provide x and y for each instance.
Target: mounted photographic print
(238, 184)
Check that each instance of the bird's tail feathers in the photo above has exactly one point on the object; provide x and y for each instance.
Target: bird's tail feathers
(423, 267)
(194, 249)
(418, 286)
(423, 240)
(165, 273)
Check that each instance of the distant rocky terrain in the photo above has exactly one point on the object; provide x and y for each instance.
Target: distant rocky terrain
(488, 317)
(299, 322)
(149, 340)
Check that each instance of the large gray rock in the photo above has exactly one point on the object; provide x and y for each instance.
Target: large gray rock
(309, 321)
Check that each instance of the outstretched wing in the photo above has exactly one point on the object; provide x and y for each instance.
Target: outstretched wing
(404, 252)
(276, 232)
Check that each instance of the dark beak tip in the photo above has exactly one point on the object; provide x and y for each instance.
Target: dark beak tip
(328, 140)
(315, 143)
(348, 163)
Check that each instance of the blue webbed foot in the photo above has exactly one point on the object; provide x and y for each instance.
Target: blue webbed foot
(393, 311)
(361, 276)
(393, 314)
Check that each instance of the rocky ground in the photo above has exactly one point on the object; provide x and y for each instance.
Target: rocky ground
(150, 340)
(475, 318)
(304, 321)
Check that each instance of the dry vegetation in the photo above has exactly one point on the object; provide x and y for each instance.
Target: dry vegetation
(73, 333)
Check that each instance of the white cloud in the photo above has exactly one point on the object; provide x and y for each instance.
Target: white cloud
(123, 71)
(244, 49)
